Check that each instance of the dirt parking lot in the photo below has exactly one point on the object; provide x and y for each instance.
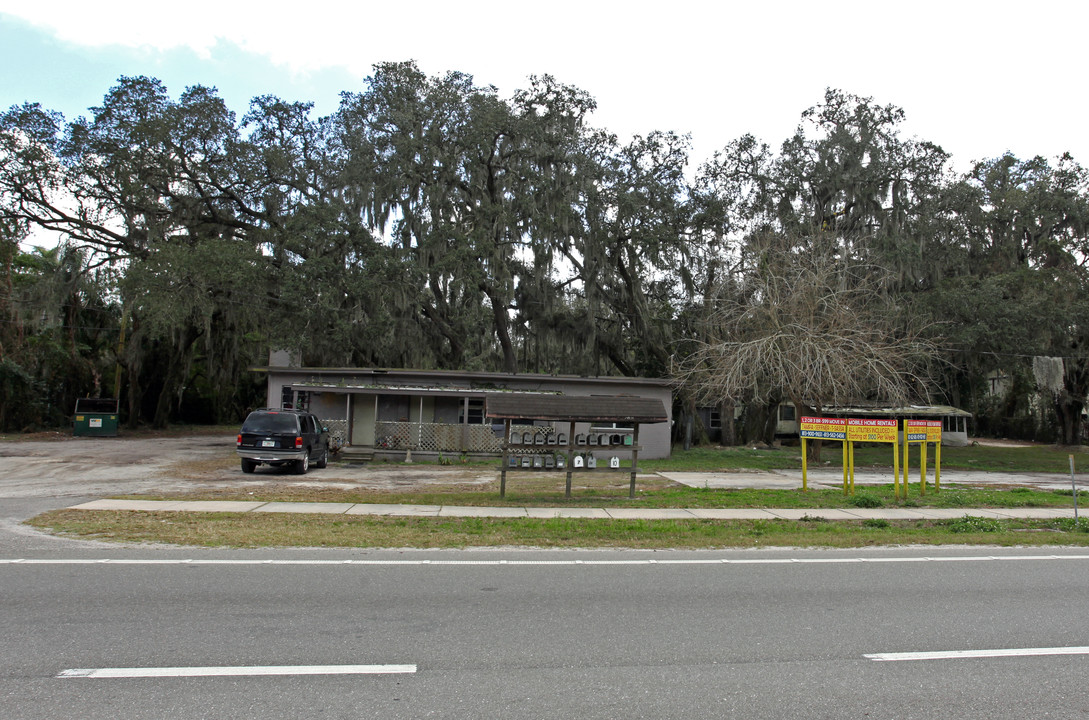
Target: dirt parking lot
(82, 466)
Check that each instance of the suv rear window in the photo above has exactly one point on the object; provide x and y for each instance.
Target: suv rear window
(267, 422)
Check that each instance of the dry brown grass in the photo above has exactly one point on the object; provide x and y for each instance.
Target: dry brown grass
(317, 530)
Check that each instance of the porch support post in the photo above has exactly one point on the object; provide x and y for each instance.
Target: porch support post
(463, 430)
(347, 419)
(420, 425)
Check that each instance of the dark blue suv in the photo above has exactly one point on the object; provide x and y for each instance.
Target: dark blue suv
(292, 438)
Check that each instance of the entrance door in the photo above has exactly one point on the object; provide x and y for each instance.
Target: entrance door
(363, 420)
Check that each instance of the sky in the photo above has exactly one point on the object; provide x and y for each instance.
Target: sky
(977, 78)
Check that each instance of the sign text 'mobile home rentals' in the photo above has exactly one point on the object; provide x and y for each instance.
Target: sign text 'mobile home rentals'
(879, 430)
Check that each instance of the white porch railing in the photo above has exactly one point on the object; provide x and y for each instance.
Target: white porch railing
(440, 437)
(338, 433)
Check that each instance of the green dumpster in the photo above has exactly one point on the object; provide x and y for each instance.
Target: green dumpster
(96, 417)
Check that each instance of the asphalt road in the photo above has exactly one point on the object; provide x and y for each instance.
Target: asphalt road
(574, 634)
(523, 634)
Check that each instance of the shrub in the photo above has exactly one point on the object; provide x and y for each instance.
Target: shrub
(866, 501)
(971, 523)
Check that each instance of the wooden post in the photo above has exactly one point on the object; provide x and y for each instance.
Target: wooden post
(570, 455)
(506, 456)
(634, 459)
(845, 466)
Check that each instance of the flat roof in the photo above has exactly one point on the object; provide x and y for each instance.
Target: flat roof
(917, 410)
(423, 376)
(413, 390)
(578, 408)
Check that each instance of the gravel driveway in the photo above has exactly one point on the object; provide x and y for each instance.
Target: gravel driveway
(84, 467)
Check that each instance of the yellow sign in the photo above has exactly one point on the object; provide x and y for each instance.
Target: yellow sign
(822, 428)
(923, 430)
(872, 430)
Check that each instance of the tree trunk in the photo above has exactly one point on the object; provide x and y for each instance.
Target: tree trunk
(502, 332)
(771, 421)
(174, 376)
(726, 421)
(1069, 411)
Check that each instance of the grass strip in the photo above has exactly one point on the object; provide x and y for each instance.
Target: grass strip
(252, 530)
(535, 491)
(1034, 458)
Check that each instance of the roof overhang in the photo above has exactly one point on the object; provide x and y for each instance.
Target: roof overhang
(368, 376)
(576, 408)
(414, 390)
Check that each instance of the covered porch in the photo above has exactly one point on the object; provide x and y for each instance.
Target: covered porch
(368, 421)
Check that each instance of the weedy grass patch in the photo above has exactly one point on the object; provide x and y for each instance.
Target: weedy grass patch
(250, 530)
(1028, 458)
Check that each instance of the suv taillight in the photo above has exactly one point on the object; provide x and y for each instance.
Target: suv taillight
(238, 442)
(298, 443)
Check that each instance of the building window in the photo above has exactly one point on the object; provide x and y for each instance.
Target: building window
(715, 421)
(287, 398)
(475, 409)
(786, 413)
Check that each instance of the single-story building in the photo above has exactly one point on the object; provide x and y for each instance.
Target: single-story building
(373, 411)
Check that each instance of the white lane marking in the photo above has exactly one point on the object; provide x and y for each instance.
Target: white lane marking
(236, 671)
(648, 562)
(960, 654)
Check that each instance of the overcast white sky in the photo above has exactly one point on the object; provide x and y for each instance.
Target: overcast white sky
(978, 78)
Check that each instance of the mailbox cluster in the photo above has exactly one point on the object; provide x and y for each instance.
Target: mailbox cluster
(538, 438)
(560, 439)
(548, 461)
(603, 439)
(538, 450)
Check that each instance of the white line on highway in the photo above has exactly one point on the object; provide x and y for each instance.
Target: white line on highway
(657, 561)
(960, 654)
(164, 672)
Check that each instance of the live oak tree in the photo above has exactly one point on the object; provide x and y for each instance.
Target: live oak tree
(138, 184)
(432, 222)
(1015, 288)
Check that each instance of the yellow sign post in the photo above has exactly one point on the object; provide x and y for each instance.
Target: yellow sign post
(934, 435)
(923, 432)
(822, 428)
(878, 430)
(875, 430)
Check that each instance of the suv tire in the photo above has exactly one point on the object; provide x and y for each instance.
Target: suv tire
(301, 466)
(248, 466)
